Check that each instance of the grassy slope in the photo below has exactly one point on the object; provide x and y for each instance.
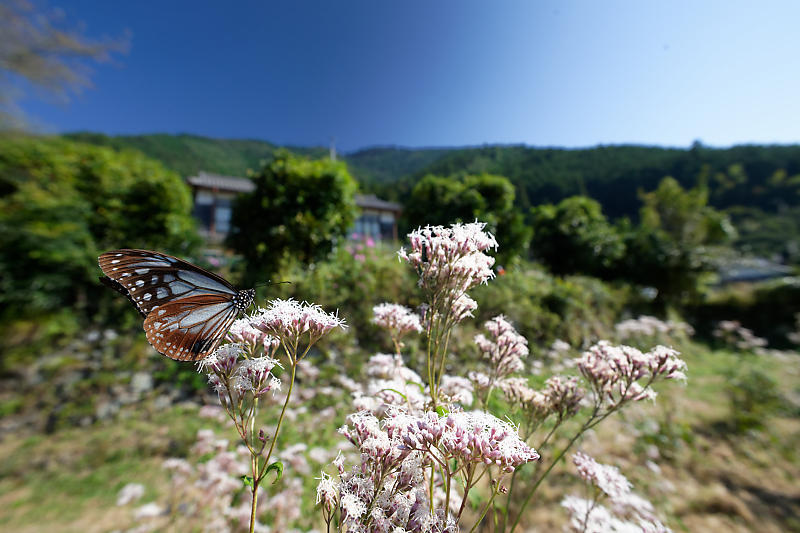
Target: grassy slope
(709, 480)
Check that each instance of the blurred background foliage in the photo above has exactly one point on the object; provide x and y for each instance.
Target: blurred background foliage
(63, 203)
(299, 208)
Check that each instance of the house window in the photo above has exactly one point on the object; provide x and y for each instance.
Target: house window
(222, 216)
(203, 205)
(387, 226)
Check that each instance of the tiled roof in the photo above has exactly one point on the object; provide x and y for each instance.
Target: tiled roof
(222, 183)
(370, 201)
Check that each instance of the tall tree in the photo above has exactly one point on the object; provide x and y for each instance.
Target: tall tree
(574, 237)
(675, 242)
(467, 197)
(300, 208)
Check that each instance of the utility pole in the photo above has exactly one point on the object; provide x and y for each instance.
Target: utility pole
(332, 149)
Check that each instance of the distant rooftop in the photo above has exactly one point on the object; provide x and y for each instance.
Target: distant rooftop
(222, 183)
(752, 269)
(207, 180)
(370, 201)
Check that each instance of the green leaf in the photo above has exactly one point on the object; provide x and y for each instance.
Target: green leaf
(442, 410)
(395, 391)
(278, 467)
(247, 481)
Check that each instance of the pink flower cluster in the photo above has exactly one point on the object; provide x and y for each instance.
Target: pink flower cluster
(615, 372)
(390, 490)
(505, 349)
(451, 258)
(390, 383)
(650, 326)
(735, 335)
(631, 512)
(387, 492)
(561, 396)
(252, 339)
(605, 477)
(468, 437)
(229, 375)
(397, 319)
(289, 320)
(203, 493)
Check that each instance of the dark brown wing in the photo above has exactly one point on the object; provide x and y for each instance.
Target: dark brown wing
(188, 329)
(117, 286)
(153, 279)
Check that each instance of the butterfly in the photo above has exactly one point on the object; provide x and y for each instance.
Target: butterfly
(187, 310)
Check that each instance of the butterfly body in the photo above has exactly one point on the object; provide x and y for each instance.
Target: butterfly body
(187, 310)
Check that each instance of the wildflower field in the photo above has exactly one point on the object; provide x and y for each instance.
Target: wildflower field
(440, 405)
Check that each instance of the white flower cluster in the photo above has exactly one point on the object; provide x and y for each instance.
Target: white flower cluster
(650, 326)
(732, 333)
(615, 372)
(230, 375)
(561, 397)
(289, 320)
(397, 319)
(390, 483)
(244, 333)
(468, 437)
(629, 512)
(605, 477)
(505, 349)
(451, 258)
(390, 383)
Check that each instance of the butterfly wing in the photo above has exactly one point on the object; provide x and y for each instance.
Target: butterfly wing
(153, 279)
(190, 328)
(187, 310)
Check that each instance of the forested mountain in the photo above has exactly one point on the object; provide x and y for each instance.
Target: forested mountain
(761, 177)
(378, 166)
(758, 176)
(188, 154)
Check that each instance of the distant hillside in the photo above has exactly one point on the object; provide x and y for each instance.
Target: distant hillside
(188, 154)
(751, 175)
(386, 165)
(754, 176)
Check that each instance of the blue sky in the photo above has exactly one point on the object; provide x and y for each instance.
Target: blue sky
(443, 72)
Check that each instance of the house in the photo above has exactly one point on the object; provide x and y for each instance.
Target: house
(213, 197)
(378, 218)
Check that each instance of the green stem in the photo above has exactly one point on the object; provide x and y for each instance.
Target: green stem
(486, 508)
(590, 423)
(255, 498)
(280, 418)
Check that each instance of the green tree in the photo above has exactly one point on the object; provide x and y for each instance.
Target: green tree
(63, 203)
(575, 237)
(300, 208)
(464, 198)
(676, 241)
